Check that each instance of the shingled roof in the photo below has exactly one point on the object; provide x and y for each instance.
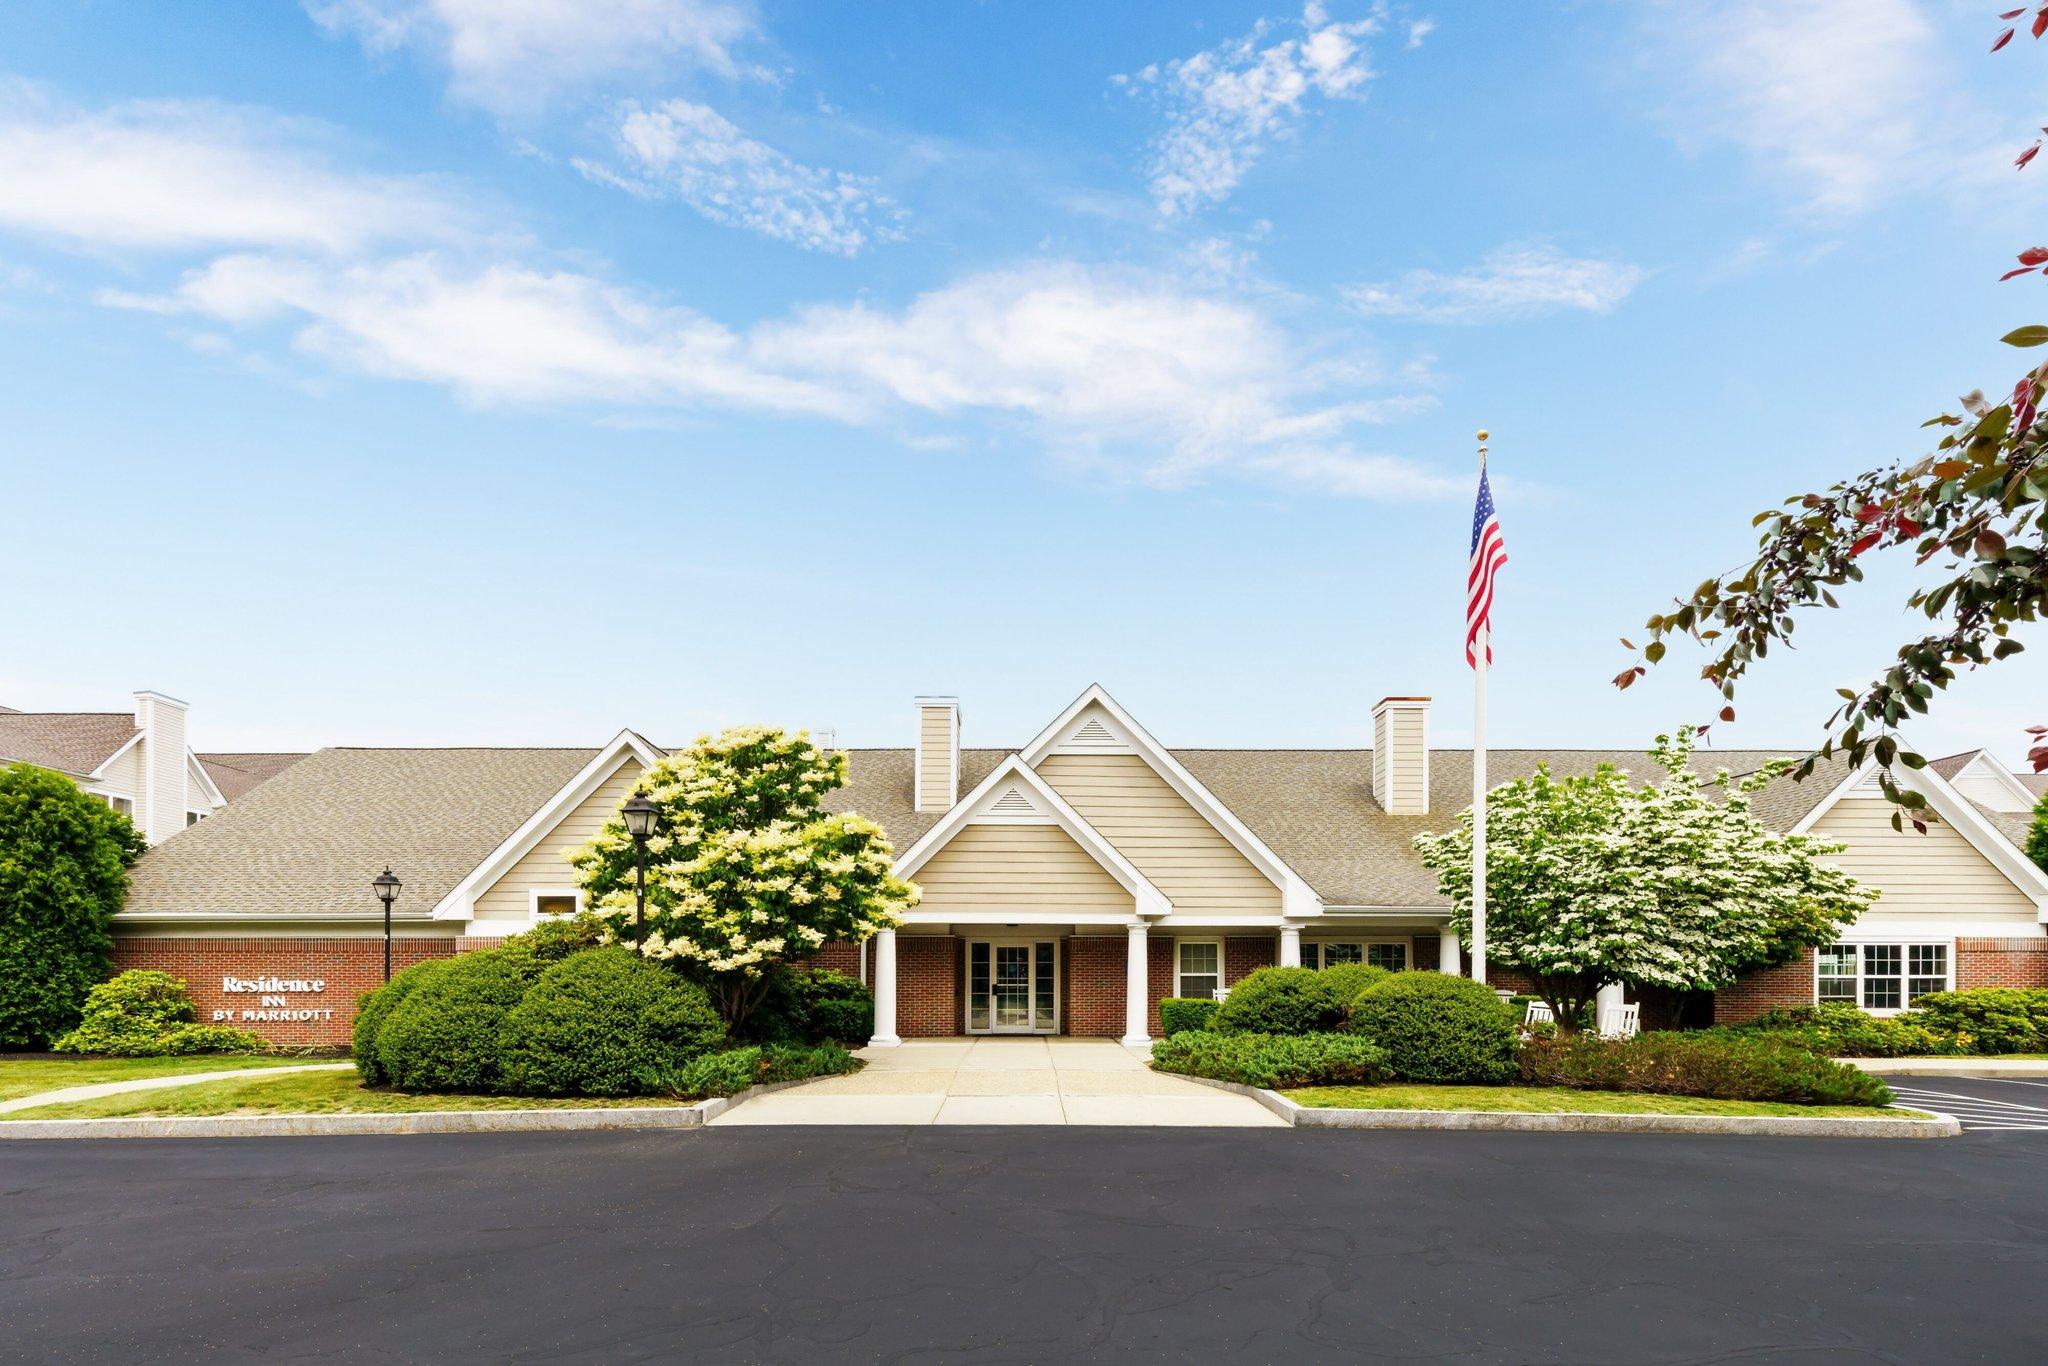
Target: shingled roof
(73, 742)
(237, 774)
(307, 842)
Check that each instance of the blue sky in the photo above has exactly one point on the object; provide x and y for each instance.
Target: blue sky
(435, 371)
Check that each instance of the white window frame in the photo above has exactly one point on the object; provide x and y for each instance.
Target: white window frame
(193, 817)
(1905, 974)
(534, 895)
(117, 801)
(1221, 974)
(1313, 948)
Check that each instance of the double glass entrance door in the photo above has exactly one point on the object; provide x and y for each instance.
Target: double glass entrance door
(1011, 987)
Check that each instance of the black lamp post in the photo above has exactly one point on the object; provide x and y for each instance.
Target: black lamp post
(387, 886)
(639, 814)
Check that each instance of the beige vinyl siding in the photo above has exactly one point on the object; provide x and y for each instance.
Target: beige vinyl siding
(1400, 760)
(545, 865)
(1169, 841)
(1986, 789)
(935, 759)
(196, 797)
(124, 774)
(1937, 871)
(1020, 868)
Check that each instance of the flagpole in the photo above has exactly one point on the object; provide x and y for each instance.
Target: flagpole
(1479, 667)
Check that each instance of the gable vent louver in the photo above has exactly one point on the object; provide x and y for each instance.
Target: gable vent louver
(1013, 803)
(1093, 733)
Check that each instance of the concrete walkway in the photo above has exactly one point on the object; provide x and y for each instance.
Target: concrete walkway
(1004, 1081)
(65, 1095)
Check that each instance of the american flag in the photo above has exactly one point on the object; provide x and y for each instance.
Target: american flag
(1489, 553)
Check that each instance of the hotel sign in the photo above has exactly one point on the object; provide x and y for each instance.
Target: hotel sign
(275, 1003)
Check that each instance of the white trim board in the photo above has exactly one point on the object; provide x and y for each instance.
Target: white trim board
(460, 903)
(1297, 898)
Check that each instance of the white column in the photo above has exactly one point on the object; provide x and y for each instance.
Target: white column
(1137, 986)
(1447, 951)
(885, 991)
(1290, 946)
(1609, 997)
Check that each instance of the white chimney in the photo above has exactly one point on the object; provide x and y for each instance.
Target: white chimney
(1400, 755)
(936, 772)
(160, 802)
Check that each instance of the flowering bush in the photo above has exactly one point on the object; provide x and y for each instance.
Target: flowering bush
(1591, 879)
(746, 870)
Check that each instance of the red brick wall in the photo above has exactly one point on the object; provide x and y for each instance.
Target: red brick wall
(1244, 955)
(2001, 963)
(838, 955)
(930, 1003)
(1766, 989)
(1095, 986)
(1425, 956)
(345, 968)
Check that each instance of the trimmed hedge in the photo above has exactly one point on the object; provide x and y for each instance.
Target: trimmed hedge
(1840, 1030)
(374, 1007)
(1719, 1068)
(1271, 1060)
(732, 1071)
(145, 1014)
(596, 1020)
(1281, 1001)
(1178, 1014)
(444, 1035)
(813, 1005)
(1989, 1019)
(1348, 980)
(557, 937)
(1436, 1027)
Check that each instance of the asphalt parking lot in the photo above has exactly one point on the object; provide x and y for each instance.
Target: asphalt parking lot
(1018, 1244)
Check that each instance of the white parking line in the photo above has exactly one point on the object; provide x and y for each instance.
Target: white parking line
(1976, 1113)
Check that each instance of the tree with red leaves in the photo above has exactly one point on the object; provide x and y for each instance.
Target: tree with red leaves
(1978, 502)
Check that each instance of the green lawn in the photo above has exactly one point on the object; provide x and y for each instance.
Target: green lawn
(1559, 1100)
(26, 1074)
(316, 1093)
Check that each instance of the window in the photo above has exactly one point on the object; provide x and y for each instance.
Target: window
(1880, 976)
(194, 817)
(123, 805)
(1391, 955)
(557, 901)
(1199, 968)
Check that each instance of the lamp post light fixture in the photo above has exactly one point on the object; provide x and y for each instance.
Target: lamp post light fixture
(387, 885)
(639, 813)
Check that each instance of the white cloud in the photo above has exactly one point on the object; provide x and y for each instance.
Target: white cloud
(1511, 282)
(175, 175)
(691, 152)
(1134, 375)
(1845, 102)
(1223, 106)
(514, 54)
(1417, 31)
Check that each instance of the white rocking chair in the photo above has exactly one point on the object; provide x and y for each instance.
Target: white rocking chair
(1621, 1022)
(1538, 1013)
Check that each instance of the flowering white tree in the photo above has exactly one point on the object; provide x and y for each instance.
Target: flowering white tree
(1592, 879)
(745, 868)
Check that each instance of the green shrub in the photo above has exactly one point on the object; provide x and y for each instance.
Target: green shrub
(1839, 1030)
(1436, 1027)
(1271, 1060)
(1989, 1019)
(444, 1035)
(142, 1014)
(734, 1070)
(813, 1005)
(64, 859)
(1348, 980)
(596, 1020)
(1759, 1067)
(1281, 1001)
(557, 937)
(374, 1007)
(1177, 1014)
